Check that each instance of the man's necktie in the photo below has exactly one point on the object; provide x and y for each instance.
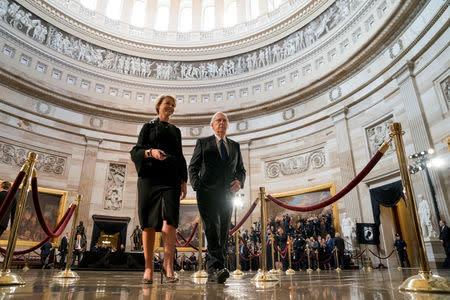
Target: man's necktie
(223, 151)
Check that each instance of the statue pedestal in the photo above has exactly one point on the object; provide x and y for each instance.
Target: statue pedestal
(435, 252)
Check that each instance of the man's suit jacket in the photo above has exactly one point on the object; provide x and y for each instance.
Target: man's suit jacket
(63, 245)
(444, 235)
(209, 173)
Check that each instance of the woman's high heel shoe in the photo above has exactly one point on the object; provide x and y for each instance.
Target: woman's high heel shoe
(172, 279)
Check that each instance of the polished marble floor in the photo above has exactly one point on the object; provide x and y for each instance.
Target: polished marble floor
(330, 285)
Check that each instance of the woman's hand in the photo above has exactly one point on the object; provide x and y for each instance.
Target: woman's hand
(183, 190)
(158, 154)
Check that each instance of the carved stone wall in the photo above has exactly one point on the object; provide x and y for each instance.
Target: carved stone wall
(296, 164)
(114, 186)
(14, 155)
(377, 134)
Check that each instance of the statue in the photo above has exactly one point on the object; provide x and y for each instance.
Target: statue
(425, 218)
(348, 227)
(137, 238)
(80, 231)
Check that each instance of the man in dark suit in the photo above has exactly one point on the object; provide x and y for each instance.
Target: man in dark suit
(63, 249)
(444, 237)
(340, 245)
(216, 172)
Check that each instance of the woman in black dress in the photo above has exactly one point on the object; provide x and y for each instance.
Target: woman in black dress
(162, 172)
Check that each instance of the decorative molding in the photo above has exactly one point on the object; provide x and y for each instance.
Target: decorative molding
(396, 49)
(334, 94)
(114, 186)
(42, 107)
(242, 126)
(288, 114)
(96, 122)
(195, 131)
(296, 164)
(46, 162)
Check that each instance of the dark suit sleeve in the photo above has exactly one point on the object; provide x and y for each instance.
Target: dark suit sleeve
(195, 165)
(138, 151)
(181, 160)
(239, 173)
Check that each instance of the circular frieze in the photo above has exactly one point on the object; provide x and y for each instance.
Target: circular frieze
(96, 122)
(43, 108)
(273, 170)
(335, 93)
(317, 160)
(242, 126)
(195, 131)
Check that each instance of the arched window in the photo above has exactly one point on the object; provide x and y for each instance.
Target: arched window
(185, 16)
(208, 15)
(114, 9)
(138, 14)
(252, 9)
(230, 13)
(89, 4)
(162, 15)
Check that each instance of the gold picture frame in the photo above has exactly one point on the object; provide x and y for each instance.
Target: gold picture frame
(30, 232)
(189, 215)
(306, 197)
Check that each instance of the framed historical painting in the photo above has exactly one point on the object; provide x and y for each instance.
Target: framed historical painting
(306, 197)
(30, 233)
(189, 216)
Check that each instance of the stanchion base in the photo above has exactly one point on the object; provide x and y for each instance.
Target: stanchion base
(338, 269)
(399, 268)
(66, 274)
(200, 277)
(369, 269)
(425, 282)
(8, 278)
(237, 272)
(290, 272)
(318, 270)
(264, 277)
(309, 270)
(274, 272)
(182, 271)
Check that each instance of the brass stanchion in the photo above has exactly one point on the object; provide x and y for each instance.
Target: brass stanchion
(336, 258)
(6, 276)
(290, 271)
(369, 267)
(363, 267)
(317, 259)
(263, 276)
(425, 281)
(272, 248)
(308, 251)
(237, 271)
(68, 273)
(200, 276)
(398, 260)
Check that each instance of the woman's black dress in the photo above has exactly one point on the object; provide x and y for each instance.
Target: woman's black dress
(159, 183)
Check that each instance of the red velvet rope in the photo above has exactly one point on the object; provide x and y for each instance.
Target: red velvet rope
(246, 259)
(50, 233)
(339, 195)
(301, 257)
(358, 255)
(195, 248)
(328, 259)
(10, 196)
(59, 227)
(380, 256)
(189, 239)
(249, 250)
(249, 212)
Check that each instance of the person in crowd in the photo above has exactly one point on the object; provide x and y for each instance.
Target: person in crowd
(45, 254)
(245, 236)
(253, 235)
(330, 244)
(95, 248)
(4, 189)
(281, 242)
(63, 250)
(161, 167)
(78, 248)
(157, 262)
(299, 245)
(244, 257)
(339, 243)
(400, 246)
(444, 238)
(193, 263)
(324, 255)
(216, 172)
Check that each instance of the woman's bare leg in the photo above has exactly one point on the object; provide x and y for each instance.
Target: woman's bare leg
(148, 241)
(168, 235)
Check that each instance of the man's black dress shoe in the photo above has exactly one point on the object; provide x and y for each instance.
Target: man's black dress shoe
(222, 275)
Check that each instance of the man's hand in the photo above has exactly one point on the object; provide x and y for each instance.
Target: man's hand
(183, 190)
(235, 186)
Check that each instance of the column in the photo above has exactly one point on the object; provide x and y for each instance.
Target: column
(196, 15)
(418, 129)
(150, 15)
(241, 11)
(263, 7)
(127, 10)
(219, 11)
(174, 14)
(346, 164)
(87, 180)
(101, 6)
